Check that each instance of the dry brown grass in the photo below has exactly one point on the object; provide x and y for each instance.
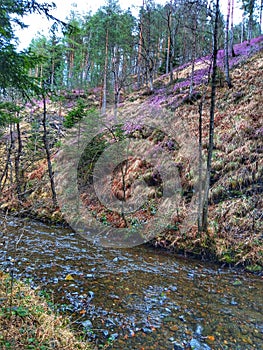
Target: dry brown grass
(27, 322)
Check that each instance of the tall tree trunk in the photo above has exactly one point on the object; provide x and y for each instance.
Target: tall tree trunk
(116, 80)
(193, 55)
(200, 167)
(104, 92)
(8, 162)
(260, 16)
(226, 44)
(242, 27)
(232, 30)
(139, 60)
(47, 150)
(251, 6)
(168, 54)
(211, 122)
(150, 66)
(18, 169)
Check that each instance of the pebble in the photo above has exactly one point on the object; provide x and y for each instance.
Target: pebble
(196, 345)
(105, 333)
(114, 336)
(233, 302)
(87, 324)
(182, 318)
(199, 330)
(178, 346)
(147, 330)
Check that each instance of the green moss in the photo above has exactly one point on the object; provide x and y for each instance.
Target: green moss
(254, 268)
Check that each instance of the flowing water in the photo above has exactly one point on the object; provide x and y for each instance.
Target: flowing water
(137, 298)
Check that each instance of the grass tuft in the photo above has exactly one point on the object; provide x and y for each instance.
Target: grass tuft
(27, 322)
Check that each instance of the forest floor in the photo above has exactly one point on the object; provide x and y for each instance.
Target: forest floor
(235, 203)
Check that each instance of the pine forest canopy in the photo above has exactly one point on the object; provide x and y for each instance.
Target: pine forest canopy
(111, 47)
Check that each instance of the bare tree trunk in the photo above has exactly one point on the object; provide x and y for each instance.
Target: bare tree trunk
(193, 55)
(8, 164)
(211, 123)
(168, 54)
(242, 28)
(150, 66)
(104, 92)
(48, 157)
(139, 61)
(251, 7)
(200, 167)
(116, 80)
(18, 169)
(260, 16)
(226, 43)
(232, 30)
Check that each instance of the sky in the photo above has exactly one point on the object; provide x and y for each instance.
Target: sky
(39, 24)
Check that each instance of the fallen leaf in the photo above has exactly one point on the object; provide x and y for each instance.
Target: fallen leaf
(211, 337)
(69, 278)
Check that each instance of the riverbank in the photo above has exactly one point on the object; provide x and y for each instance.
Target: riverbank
(27, 321)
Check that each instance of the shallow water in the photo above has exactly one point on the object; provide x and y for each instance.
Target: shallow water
(137, 298)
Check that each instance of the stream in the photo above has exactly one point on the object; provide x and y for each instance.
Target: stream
(136, 298)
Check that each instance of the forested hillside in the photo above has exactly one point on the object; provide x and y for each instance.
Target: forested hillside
(182, 63)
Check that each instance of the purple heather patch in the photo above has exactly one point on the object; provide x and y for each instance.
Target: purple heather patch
(259, 132)
(242, 51)
(130, 126)
(157, 99)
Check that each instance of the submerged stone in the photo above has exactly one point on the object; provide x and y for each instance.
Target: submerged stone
(196, 345)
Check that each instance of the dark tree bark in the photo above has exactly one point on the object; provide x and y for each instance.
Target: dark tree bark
(139, 59)
(193, 54)
(260, 16)
(8, 164)
(226, 46)
(211, 122)
(18, 168)
(47, 150)
(105, 74)
(232, 29)
(200, 167)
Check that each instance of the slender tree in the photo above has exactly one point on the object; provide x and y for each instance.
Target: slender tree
(194, 11)
(226, 45)
(232, 29)
(211, 122)
(249, 7)
(105, 74)
(47, 150)
(260, 16)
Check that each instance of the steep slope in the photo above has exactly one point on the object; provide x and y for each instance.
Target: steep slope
(235, 208)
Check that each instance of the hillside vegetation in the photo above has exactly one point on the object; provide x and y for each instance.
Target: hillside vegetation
(235, 208)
